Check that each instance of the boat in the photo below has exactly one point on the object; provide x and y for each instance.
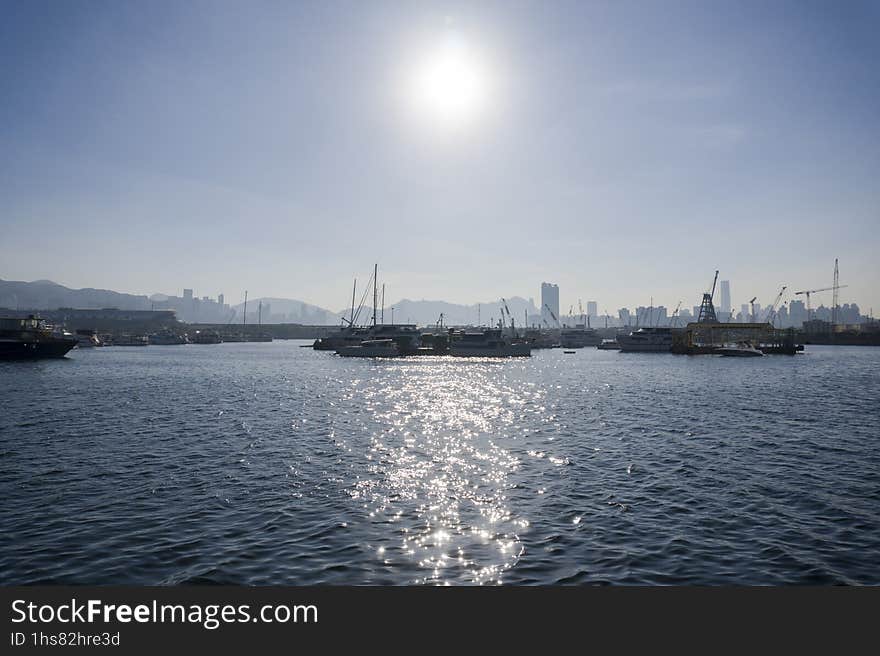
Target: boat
(608, 345)
(740, 350)
(370, 348)
(167, 338)
(488, 344)
(87, 338)
(30, 338)
(130, 340)
(206, 337)
(569, 352)
(653, 339)
(579, 337)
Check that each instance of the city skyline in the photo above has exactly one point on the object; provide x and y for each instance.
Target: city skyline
(787, 309)
(625, 151)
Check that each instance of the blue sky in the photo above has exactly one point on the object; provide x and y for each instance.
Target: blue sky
(626, 149)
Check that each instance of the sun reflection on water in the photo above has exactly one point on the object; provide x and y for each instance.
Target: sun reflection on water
(437, 471)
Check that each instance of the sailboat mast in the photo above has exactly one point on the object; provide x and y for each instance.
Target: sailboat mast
(375, 290)
(353, 292)
(260, 313)
(383, 304)
(244, 317)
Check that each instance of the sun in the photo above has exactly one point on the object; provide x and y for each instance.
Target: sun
(450, 84)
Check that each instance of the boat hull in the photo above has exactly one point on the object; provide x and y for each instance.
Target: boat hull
(739, 353)
(503, 351)
(367, 352)
(646, 348)
(18, 350)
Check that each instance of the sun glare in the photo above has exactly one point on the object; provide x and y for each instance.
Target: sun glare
(450, 84)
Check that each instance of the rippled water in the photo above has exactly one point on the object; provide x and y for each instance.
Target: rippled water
(269, 463)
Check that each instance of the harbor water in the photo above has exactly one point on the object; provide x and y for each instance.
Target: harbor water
(267, 463)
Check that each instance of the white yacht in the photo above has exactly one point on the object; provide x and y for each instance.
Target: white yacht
(646, 339)
(740, 350)
(488, 344)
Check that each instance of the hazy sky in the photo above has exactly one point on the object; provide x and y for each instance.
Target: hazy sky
(623, 150)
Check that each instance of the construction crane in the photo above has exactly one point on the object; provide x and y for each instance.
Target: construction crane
(552, 315)
(707, 309)
(815, 291)
(752, 303)
(509, 316)
(439, 323)
(674, 315)
(771, 313)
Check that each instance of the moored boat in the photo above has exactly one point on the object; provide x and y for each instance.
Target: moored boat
(206, 337)
(579, 337)
(87, 338)
(488, 344)
(652, 339)
(608, 345)
(23, 339)
(740, 350)
(371, 348)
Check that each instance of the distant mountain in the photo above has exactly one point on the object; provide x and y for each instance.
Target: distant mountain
(48, 295)
(286, 310)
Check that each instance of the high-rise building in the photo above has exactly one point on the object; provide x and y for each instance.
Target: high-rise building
(549, 298)
(187, 294)
(624, 316)
(798, 313)
(592, 308)
(220, 299)
(725, 296)
(744, 312)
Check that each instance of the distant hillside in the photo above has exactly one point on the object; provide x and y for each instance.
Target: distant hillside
(428, 312)
(47, 295)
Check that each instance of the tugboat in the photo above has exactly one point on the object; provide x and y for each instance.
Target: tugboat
(24, 339)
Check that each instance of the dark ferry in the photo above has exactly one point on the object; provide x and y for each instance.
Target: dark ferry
(22, 339)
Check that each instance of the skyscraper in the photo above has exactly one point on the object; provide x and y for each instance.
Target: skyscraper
(592, 309)
(725, 296)
(549, 298)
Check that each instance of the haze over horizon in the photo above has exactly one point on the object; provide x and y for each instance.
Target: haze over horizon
(621, 150)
